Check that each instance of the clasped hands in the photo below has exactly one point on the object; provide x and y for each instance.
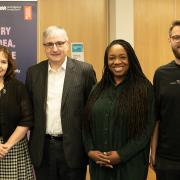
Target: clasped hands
(4, 149)
(107, 159)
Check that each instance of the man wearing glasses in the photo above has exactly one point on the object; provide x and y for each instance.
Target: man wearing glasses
(59, 88)
(165, 145)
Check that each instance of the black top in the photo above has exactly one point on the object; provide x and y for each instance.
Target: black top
(167, 91)
(15, 108)
(106, 135)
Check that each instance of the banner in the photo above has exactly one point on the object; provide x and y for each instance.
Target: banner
(18, 31)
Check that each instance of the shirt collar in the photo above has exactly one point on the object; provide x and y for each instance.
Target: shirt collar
(123, 81)
(63, 66)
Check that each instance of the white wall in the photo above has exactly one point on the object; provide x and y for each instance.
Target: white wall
(121, 20)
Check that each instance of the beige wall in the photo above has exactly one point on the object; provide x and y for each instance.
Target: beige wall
(152, 19)
(85, 21)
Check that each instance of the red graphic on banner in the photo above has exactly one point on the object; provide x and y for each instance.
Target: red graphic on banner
(27, 12)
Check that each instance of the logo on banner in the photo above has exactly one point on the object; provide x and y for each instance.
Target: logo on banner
(2, 8)
(27, 12)
(10, 8)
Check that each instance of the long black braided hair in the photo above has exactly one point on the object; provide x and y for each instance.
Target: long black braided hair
(133, 100)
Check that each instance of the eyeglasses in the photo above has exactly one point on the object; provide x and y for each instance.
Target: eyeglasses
(58, 44)
(175, 38)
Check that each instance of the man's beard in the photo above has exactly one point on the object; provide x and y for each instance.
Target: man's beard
(176, 52)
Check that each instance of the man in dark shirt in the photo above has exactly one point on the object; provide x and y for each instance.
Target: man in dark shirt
(165, 144)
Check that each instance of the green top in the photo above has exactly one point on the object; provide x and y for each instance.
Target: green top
(108, 136)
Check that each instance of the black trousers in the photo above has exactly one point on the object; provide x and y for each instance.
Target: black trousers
(162, 174)
(54, 165)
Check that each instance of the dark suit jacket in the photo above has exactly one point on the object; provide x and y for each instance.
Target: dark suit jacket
(78, 82)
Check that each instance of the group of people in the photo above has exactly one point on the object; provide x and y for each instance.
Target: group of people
(73, 120)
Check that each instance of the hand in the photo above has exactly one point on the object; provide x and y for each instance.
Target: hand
(114, 157)
(3, 150)
(100, 158)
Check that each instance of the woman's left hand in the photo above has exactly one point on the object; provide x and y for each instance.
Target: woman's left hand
(114, 157)
(4, 149)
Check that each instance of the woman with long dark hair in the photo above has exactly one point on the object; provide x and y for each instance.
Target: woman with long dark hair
(119, 118)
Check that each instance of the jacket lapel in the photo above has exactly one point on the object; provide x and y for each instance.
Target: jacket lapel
(43, 83)
(67, 80)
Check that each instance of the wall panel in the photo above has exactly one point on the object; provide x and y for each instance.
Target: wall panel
(177, 11)
(152, 19)
(85, 21)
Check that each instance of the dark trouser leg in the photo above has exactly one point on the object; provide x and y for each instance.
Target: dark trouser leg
(72, 174)
(47, 170)
(67, 173)
(167, 174)
(54, 165)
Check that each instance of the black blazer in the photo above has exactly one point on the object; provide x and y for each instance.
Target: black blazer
(78, 82)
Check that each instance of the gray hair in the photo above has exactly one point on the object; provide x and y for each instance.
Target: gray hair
(53, 30)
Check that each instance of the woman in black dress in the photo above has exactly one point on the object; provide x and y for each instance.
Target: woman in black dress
(119, 118)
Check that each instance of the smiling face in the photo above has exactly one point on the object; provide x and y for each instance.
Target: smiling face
(118, 62)
(3, 64)
(56, 47)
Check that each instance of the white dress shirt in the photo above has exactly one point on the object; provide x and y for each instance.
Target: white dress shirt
(54, 98)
